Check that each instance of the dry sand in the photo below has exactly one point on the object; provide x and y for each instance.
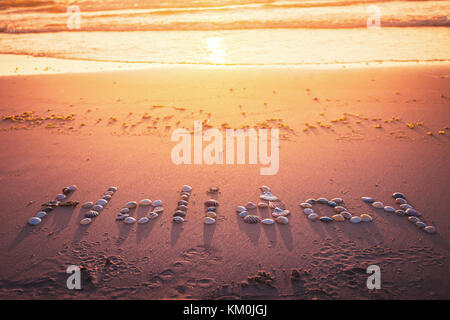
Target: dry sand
(160, 260)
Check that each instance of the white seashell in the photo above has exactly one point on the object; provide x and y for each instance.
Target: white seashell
(243, 214)
(250, 205)
(346, 214)
(113, 189)
(305, 205)
(322, 200)
(430, 229)
(124, 210)
(209, 220)
(107, 197)
(91, 214)
(268, 196)
(153, 215)
(262, 205)
(145, 202)
(338, 217)
(60, 197)
(240, 209)
(178, 219)
(102, 202)
(389, 209)
(157, 203)
(337, 200)
(281, 213)
(34, 221)
(401, 201)
(211, 214)
(85, 221)
(405, 206)
(378, 204)
(97, 207)
(252, 219)
(367, 199)
(268, 221)
(308, 211)
(366, 218)
(420, 225)
(88, 205)
(121, 217)
(73, 187)
(313, 217)
(413, 219)
(282, 220)
(131, 204)
(41, 214)
(265, 189)
(129, 220)
(339, 209)
(355, 219)
(143, 220)
(186, 188)
(158, 210)
(412, 212)
(109, 193)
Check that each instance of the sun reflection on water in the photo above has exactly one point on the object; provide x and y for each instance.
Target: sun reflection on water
(216, 51)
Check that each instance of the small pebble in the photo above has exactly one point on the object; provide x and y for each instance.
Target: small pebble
(211, 214)
(91, 214)
(243, 214)
(121, 217)
(250, 205)
(124, 210)
(265, 189)
(332, 204)
(158, 210)
(214, 209)
(153, 215)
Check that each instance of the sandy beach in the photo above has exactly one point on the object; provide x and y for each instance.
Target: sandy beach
(345, 131)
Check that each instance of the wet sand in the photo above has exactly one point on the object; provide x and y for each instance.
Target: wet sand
(344, 132)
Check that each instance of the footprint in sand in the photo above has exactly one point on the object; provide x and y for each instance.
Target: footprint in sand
(166, 275)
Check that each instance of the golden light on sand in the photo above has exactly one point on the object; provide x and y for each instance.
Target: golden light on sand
(216, 51)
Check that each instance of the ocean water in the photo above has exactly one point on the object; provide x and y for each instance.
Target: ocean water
(227, 32)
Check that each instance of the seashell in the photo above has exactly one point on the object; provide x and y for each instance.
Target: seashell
(186, 194)
(367, 199)
(397, 195)
(157, 203)
(337, 200)
(211, 209)
(182, 208)
(313, 217)
(339, 209)
(186, 188)
(355, 219)
(212, 203)
(73, 187)
(91, 214)
(420, 225)
(70, 203)
(262, 205)
(346, 214)
(413, 219)
(268, 196)
(338, 217)
(378, 205)
(213, 190)
(250, 205)
(85, 221)
(47, 209)
(305, 205)
(153, 215)
(97, 207)
(400, 201)
(282, 220)
(121, 217)
(124, 210)
(311, 201)
(322, 201)
(66, 191)
(209, 220)
(268, 221)
(107, 197)
(240, 209)
(131, 204)
(430, 229)
(143, 220)
(88, 205)
(332, 204)
(243, 214)
(178, 219)
(308, 211)
(184, 197)
(264, 189)
(34, 221)
(366, 218)
(400, 212)
(53, 203)
(113, 189)
(211, 214)
(182, 203)
(389, 209)
(109, 193)
(405, 206)
(129, 220)
(284, 213)
(60, 197)
(326, 219)
(102, 202)
(158, 210)
(276, 204)
(251, 219)
(41, 214)
(145, 202)
(412, 212)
